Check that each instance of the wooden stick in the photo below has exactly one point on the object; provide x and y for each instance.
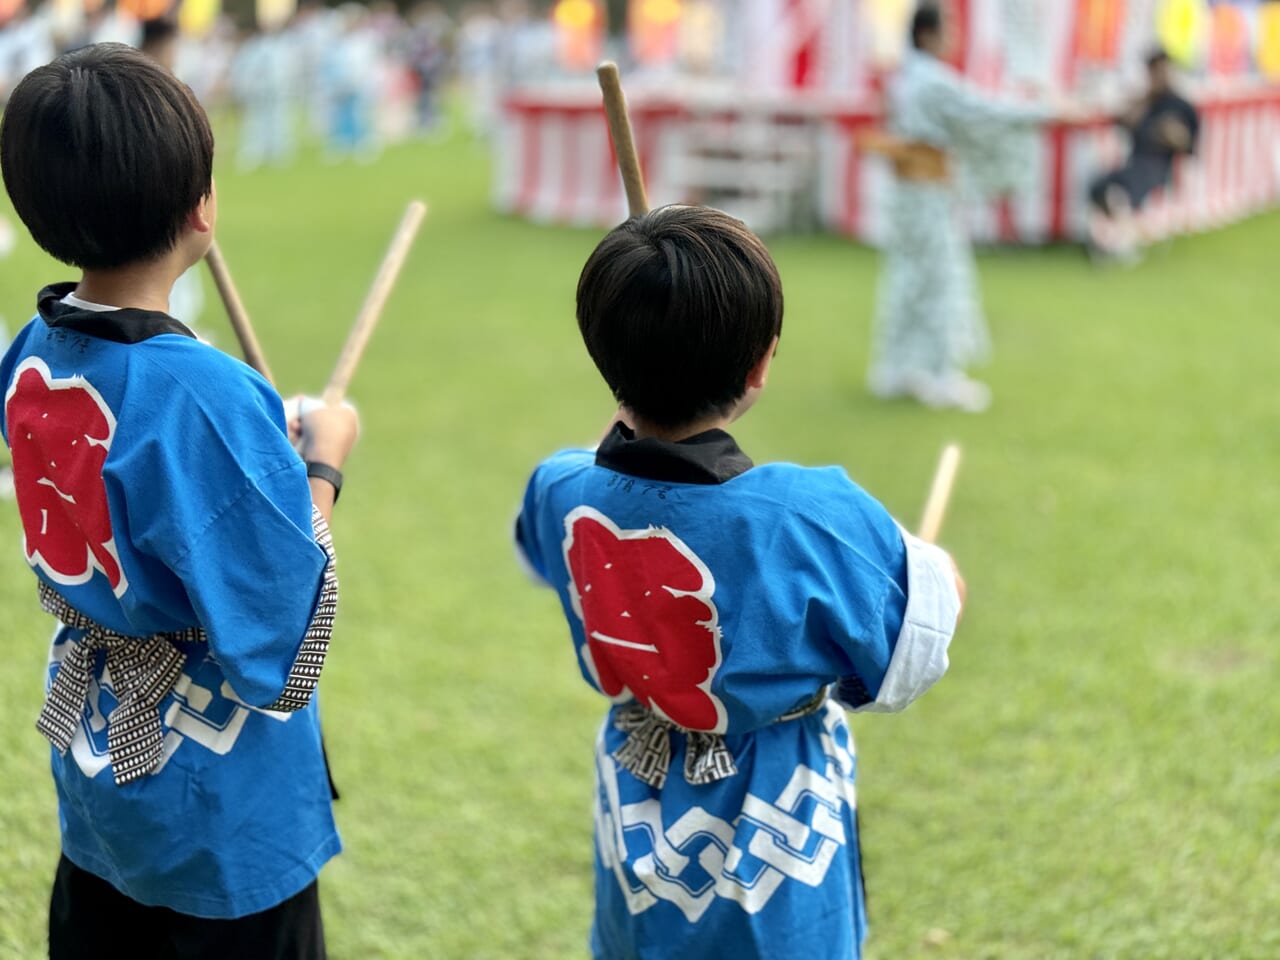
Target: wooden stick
(624, 145)
(236, 312)
(935, 508)
(370, 313)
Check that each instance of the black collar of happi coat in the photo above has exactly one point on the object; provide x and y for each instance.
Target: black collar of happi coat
(710, 457)
(126, 325)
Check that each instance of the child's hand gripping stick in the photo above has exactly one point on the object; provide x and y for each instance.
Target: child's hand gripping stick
(327, 431)
(301, 416)
(295, 408)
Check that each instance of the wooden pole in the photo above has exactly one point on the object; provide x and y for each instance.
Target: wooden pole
(935, 508)
(624, 145)
(371, 312)
(236, 312)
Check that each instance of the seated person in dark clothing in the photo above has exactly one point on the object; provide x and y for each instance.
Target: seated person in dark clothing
(1163, 126)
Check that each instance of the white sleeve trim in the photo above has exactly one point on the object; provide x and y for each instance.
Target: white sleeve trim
(933, 607)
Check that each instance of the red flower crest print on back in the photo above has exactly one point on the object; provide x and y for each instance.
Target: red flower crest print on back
(60, 431)
(652, 629)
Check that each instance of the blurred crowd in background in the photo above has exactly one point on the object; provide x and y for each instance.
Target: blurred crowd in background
(356, 76)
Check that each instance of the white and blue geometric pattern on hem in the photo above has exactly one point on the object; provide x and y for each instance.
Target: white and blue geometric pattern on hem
(204, 711)
(144, 671)
(795, 836)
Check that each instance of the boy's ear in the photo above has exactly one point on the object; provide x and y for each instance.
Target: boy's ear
(203, 217)
(758, 375)
(200, 219)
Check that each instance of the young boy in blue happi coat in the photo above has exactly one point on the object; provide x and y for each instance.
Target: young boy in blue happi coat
(731, 613)
(175, 534)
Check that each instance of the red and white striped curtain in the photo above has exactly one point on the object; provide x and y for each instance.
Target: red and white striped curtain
(801, 45)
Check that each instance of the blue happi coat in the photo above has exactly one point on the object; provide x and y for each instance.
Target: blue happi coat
(716, 603)
(160, 498)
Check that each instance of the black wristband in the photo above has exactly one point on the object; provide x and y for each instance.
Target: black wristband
(330, 475)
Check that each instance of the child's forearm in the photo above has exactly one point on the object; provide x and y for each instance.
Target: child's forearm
(323, 495)
(328, 433)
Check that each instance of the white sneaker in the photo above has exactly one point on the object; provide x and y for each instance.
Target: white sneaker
(954, 391)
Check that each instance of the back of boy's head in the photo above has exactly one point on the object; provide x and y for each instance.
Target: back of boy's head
(676, 307)
(104, 154)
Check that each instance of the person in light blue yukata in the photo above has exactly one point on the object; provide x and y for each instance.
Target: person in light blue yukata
(929, 327)
(730, 614)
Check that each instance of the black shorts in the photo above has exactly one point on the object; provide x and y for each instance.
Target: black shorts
(1138, 179)
(90, 919)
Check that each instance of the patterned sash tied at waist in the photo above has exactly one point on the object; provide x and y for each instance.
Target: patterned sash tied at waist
(143, 672)
(646, 754)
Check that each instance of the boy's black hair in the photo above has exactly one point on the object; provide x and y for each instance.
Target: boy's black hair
(675, 308)
(1156, 57)
(927, 20)
(104, 154)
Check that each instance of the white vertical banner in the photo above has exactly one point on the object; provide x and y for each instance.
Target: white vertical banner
(845, 49)
(762, 54)
(1031, 51)
(985, 62)
(805, 44)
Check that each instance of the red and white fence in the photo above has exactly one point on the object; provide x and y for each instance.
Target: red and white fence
(554, 163)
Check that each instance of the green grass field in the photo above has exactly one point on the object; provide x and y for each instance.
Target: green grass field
(1097, 777)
